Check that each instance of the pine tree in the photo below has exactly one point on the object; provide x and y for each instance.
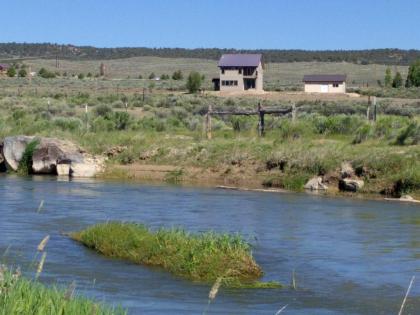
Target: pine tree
(388, 77)
(413, 77)
(398, 81)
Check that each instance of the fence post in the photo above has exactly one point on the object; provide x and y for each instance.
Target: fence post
(294, 111)
(208, 122)
(374, 108)
(261, 121)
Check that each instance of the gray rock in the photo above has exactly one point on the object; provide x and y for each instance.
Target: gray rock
(315, 183)
(347, 170)
(52, 156)
(63, 169)
(352, 185)
(406, 198)
(50, 152)
(13, 149)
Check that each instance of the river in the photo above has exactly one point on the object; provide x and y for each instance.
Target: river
(350, 256)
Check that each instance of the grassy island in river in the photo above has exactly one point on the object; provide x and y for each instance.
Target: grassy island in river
(203, 257)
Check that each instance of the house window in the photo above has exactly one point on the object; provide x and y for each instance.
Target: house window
(223, 71)
(235, 83)
(335, 85)
(240, 71)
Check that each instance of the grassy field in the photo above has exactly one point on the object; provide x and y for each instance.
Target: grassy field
(22, 296)
(199, 257)
(276, 75)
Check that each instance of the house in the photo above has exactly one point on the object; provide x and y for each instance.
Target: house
(325, 83)
(3, 68)
(240, 72)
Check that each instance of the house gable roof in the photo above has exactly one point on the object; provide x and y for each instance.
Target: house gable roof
(324, 78)
(240, 60)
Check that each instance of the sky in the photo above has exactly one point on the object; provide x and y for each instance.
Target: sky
(246, 24)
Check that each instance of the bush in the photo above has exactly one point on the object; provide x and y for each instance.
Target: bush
(70, 124)
(25, 164)
(11, 72)
(177, 75)
(411, 132)
(102, 110)
(22, 73)
(121, 120)
(362, 134)
(194, 82)
(44, 73)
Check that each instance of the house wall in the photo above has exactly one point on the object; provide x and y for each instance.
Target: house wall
(234, 75)
(316, 88)
(231, 75)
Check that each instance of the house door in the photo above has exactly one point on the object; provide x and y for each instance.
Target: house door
(249, 84)
(324, 88)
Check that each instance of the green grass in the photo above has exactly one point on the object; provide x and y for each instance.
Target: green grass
(20, 296)
(198, 257)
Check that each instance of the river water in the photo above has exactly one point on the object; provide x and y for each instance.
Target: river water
(350, 256)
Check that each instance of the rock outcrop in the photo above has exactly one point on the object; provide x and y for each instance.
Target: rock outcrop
(315, 183)
(348, 180)
(13, 149)
(52, 156)
(350, 184)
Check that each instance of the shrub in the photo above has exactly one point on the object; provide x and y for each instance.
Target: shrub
(22, 73)
(121, 120)
(44, 73)
(70, 124)
(11, 72)
(362, 134)
(102, 110)
(412, 132)
(25, 164)
(194, 82)
(177, 75)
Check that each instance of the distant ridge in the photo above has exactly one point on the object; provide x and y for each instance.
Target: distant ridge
(388, 56)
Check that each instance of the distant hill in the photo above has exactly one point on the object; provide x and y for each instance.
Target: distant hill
(48, 50)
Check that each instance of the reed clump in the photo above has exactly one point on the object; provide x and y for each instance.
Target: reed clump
(203, 257)
(22, 296)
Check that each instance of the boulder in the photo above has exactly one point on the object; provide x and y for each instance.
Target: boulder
(406, 198)
(63, 169)
(89, 167)
(52, 156)
(13, 149)
(348, 184)
(347, 171)
(315, 183)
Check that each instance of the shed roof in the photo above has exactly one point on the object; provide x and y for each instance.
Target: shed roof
(240, 60)
(324, 78)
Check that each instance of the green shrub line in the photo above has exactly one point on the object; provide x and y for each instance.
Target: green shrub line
(19, 295)
(203, 257)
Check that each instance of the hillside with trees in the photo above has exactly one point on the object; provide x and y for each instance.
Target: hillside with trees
(48, 50)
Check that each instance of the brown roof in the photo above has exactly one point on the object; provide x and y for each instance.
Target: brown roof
(324, 78)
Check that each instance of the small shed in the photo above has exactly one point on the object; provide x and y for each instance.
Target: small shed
(3, 67)
(325, 83)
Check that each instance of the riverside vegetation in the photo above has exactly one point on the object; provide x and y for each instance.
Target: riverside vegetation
(167, 129)
(22, 296)
(206, 257)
